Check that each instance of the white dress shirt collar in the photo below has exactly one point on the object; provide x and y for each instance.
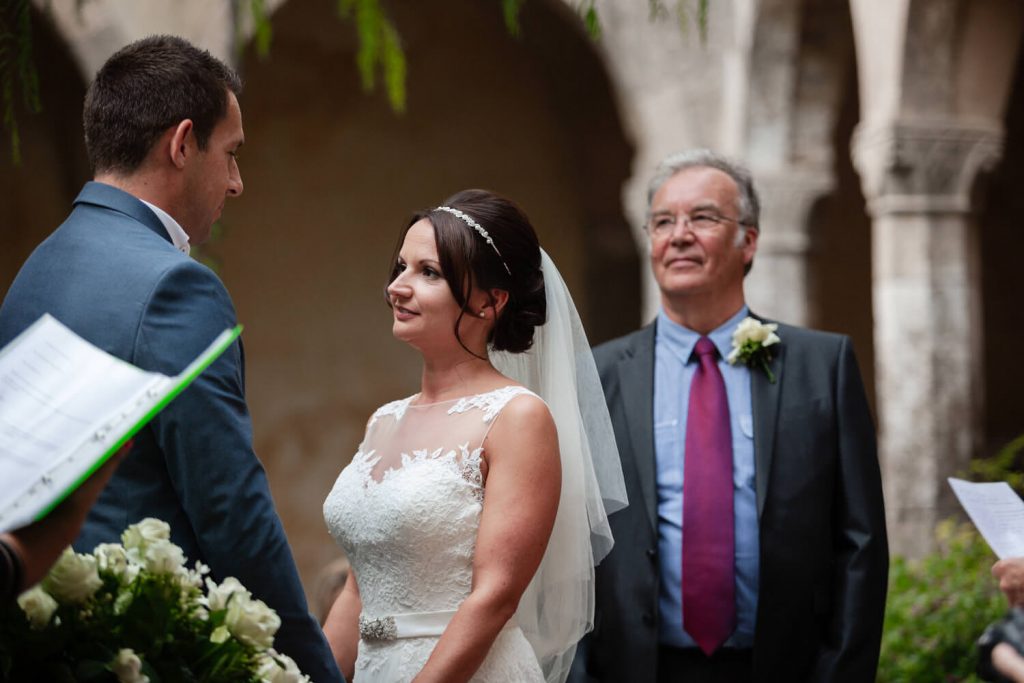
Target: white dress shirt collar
(179, 238)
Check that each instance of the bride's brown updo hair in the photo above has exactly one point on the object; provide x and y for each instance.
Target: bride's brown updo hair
(468, 261)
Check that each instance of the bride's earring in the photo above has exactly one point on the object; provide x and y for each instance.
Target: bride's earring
(483, 314)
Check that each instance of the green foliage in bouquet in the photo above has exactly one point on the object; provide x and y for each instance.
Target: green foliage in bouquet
(133, 612)
(937, 608)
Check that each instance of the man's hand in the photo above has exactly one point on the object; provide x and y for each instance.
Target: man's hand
(1010, 573)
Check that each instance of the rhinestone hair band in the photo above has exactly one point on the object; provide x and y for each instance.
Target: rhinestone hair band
(468, 220)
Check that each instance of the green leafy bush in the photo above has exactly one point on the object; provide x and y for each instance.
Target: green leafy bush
(937, 608)
(939, 605)
(1006, 465)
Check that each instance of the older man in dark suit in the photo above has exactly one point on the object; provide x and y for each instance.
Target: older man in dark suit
(754, 548)
(162, 128)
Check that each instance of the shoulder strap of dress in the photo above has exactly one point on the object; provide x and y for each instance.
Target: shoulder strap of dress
(396, 408)
(491, 403)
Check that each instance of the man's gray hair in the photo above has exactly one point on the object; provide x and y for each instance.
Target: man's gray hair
(749, 206)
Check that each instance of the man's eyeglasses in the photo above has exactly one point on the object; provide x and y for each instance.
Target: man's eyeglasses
(664, 224)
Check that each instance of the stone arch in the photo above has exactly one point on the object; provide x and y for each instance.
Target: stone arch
(839, 267)
(801, 53)
(1000, 245)
(94, 30)
(37, 194)
(959, 58)
(331, 174)
(815, 238)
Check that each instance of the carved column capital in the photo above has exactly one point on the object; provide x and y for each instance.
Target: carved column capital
(923, 166)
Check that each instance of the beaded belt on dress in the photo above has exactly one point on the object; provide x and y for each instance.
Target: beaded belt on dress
(408, 625)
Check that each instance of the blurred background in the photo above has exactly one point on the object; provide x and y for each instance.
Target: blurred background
(886, 137)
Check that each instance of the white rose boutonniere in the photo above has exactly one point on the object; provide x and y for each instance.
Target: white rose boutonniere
(751, 344)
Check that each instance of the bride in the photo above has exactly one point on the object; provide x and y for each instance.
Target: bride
(474, 511)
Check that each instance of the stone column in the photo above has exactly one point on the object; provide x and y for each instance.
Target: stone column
(918, 178)
(95, 30)
(777, 286)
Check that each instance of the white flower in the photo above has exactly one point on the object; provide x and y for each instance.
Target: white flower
(38, 606)
(753, 330)
(123, 601)
(194, 577)
(138, 536)
(273, 667)
(163, 557)
(218, 596)
(112, 558)
(750, 342)
(220, 634)
(73, 579)
(196, 574)
(251, 621)
(128, 667)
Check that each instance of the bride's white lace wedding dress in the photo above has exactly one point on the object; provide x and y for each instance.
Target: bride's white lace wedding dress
(406, 511)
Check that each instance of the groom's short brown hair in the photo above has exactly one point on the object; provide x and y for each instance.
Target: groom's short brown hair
(144, 89)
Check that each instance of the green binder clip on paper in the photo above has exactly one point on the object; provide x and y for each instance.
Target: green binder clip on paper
(66, 407)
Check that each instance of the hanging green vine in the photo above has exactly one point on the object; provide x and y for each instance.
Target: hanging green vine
(380, 52)
(262, 31)
(687, 12)
(19, 80)
(379, 46)
(510, 10)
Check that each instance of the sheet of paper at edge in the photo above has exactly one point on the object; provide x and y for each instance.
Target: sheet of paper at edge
(955, 482)
(44, 319)
(178, 384)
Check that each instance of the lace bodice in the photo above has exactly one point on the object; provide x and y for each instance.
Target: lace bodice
(406, 511)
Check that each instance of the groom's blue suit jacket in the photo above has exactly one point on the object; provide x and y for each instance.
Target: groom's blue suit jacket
(111, 274)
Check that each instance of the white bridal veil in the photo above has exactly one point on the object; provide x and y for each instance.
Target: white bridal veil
(557, 608)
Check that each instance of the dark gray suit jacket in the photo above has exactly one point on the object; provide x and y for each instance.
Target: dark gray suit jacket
(111, 274)
(823, 549)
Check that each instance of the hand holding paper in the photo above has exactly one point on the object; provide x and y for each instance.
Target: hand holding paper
(40, 544)
(66, 407)
(1010, 574)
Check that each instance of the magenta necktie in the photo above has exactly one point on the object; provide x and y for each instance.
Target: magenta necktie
(709, 589)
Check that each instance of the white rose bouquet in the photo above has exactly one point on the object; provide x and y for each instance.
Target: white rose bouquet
(133, 612)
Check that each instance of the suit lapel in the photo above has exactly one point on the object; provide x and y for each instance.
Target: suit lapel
(636, 376)
(765, 403)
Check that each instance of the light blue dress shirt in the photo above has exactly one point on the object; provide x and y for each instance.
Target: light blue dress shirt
(672, 376)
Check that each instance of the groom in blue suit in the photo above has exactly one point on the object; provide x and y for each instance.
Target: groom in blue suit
(162, 129)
